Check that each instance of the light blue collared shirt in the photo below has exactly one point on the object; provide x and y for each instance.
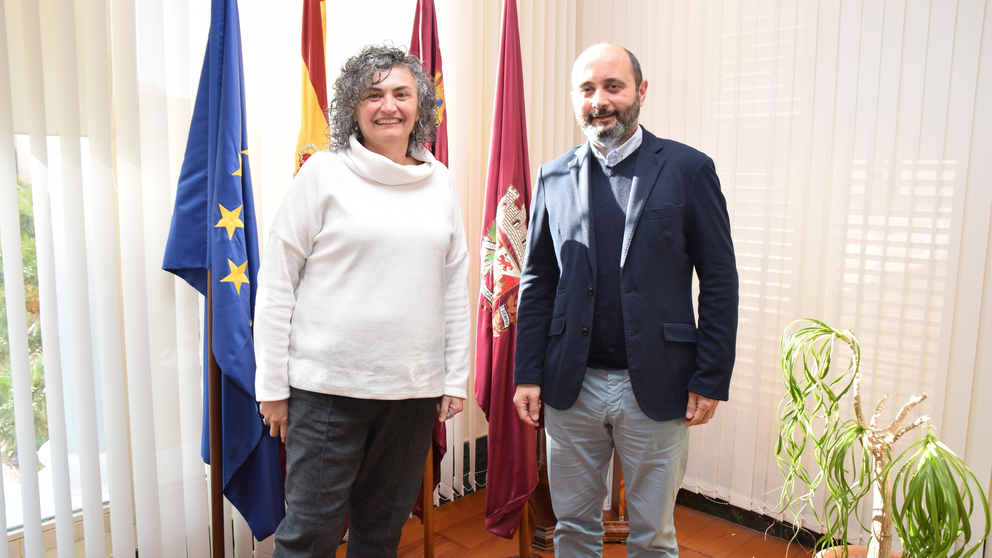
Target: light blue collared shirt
(613, 157)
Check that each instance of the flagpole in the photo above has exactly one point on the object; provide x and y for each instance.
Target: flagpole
(216, 433)
(428, 503)
(523, 533)
(424, 45)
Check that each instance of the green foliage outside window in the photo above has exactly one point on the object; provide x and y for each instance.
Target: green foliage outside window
(8, 439)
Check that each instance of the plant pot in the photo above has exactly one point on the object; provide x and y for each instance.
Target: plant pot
(853, 551)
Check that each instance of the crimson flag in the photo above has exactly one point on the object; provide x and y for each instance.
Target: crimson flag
(512, 467)
(425, 46)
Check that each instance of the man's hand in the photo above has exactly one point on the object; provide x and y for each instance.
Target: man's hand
(277, 415)
(699, 410)
(527, 400)
(448, 407)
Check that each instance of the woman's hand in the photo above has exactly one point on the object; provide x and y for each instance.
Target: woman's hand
(449, 407)
(276, 415)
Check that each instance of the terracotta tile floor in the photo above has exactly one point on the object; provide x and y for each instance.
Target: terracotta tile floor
(460, 530)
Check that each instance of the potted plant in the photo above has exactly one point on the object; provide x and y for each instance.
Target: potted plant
(926, 492)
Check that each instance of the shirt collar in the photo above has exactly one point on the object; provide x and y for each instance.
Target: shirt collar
(620, 153)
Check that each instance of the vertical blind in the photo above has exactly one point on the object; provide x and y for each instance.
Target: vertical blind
(851, 139)
(846, 136)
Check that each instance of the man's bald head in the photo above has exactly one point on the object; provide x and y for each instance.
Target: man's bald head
(601, 49)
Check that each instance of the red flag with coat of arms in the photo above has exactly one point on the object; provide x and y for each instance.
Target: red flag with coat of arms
(512, 467)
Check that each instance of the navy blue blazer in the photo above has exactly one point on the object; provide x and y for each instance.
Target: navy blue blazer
(676, 221)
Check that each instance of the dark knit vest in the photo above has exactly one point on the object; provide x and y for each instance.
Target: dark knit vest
(610, 192)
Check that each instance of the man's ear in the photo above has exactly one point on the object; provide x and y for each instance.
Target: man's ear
(642, 91)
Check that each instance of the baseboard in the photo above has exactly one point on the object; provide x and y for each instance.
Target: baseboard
(746, 518)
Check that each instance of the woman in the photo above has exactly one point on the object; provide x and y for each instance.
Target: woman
(362, 316)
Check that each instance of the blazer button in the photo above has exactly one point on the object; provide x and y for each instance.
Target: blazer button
(589, 290)
(585, 331)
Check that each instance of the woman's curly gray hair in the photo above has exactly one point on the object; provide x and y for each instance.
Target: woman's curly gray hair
(358, 75)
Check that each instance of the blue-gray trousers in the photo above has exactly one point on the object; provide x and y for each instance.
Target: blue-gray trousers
(580, 443)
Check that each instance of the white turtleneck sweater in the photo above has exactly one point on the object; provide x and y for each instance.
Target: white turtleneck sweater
(362, 290)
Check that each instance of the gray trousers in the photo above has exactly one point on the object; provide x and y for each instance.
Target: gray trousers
(580, 443)
(360, 457)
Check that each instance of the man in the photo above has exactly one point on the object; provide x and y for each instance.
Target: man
(606, 335)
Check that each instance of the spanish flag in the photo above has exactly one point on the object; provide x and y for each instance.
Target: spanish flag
(313, 113)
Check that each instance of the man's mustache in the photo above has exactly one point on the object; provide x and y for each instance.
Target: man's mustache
(596, 113)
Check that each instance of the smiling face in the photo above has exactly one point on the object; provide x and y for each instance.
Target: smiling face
(606, 99)
(387, 112)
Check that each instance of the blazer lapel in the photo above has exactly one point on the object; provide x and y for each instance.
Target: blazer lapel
(646, 170)
(578, 168)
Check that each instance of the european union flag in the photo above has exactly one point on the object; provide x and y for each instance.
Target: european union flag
(213, 229)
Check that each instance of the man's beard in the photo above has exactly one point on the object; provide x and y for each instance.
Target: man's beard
(626, 120)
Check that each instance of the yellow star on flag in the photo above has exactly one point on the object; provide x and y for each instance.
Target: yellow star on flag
(229, 220)
(237, 275)
(241, 163)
